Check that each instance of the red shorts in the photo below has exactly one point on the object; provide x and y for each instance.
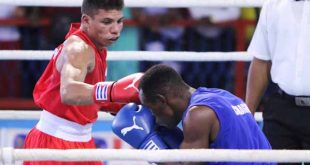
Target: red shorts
(38, 139)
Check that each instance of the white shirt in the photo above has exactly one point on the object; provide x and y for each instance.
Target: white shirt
(282, 35)
(216, 15)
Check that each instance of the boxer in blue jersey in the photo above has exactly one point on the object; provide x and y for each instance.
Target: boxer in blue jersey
(211, 118)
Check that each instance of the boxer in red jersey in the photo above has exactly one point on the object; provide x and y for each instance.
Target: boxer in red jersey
(73, 88)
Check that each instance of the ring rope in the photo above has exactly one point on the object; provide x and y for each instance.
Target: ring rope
(175, 155)
(136, 55)
(35, 115)
(10, 155)
(142, 3)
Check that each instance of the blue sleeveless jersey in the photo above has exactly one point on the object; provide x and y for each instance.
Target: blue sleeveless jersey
(238, 128)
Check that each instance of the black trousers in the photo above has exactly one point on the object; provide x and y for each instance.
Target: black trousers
(286, 125)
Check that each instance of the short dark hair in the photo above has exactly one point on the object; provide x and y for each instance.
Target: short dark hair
(161, 79)
(90, 7)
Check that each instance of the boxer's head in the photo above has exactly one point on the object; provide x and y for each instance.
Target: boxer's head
(102, 20)
(163, 91)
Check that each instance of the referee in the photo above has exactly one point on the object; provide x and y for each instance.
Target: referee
(281, 50)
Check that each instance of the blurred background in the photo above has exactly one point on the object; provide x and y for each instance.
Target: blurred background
(225, 29)
(221, 29)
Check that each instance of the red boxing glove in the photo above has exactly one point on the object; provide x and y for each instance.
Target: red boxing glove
(125, 90)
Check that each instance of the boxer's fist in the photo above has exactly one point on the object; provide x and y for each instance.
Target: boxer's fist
(135, 124)
(124, 90)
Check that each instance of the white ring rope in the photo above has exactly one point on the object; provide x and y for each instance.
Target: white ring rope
(136, 55)
(142, 3)
(10, 155)
(35, 115)
(184, 155)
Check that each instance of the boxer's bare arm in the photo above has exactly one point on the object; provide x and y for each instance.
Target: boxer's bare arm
(75, 61)
(200, 128)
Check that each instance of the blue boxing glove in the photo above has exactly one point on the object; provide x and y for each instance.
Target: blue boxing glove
(136, 125)
(172, 137)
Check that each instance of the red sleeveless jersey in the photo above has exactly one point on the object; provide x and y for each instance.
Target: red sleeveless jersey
(46, 93)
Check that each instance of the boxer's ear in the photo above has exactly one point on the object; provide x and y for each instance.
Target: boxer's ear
(85, 19)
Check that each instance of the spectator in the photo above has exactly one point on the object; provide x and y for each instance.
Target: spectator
(158, 34)
(10, 40)
(207, 36)
(210, 31)
(9, 35)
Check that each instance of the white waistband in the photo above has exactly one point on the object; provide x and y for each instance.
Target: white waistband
(63, 129)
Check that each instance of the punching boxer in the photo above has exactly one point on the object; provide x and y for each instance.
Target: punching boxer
(73, 88)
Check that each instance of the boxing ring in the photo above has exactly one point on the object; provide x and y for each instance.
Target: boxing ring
(9, 155)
